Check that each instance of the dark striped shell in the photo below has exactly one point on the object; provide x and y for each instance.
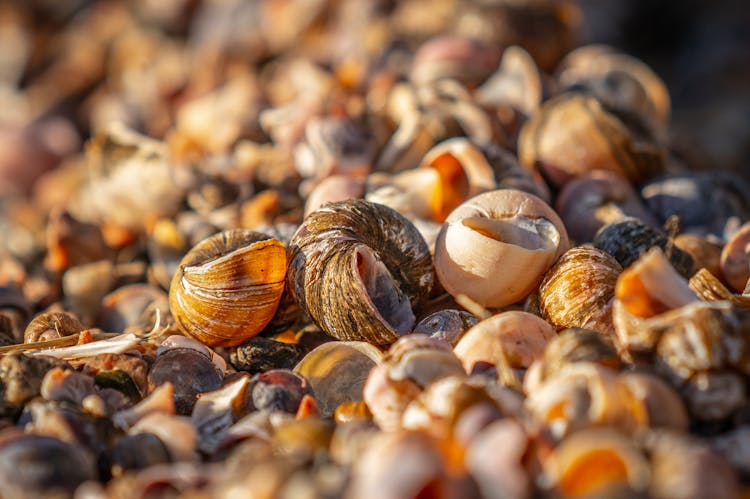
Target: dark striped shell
(359, 269)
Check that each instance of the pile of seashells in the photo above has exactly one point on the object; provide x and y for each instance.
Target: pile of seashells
(359, 249)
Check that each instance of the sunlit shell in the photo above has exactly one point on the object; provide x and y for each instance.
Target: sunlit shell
(516, 338)
(228, 287)
(359, 270)
(495, 247)
(578, 290)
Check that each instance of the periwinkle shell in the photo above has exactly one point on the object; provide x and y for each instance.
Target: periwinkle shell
(359, 269)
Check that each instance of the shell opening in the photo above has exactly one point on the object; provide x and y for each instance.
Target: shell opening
(594, 471)
(387, 299)
(528, 233)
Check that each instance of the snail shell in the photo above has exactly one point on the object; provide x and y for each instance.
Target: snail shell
(358, 269)
(578, 290)
(227, 288)
(495, 247)
(735, 259)
(628, 239)
(573, 134)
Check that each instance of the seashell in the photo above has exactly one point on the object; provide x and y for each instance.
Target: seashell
(704, 252)
(715, 395)
(175, 432)
(379, 472)
(573, 134)
(412, 363)
(137, 452)
(51, 467)
(495, 460)
(584, 394)
(277, 390)
(227, 288)
(337, 372)
(652, 286)
(735, 259)
(509, 174)
(85, 285)
(51, 325)
(421, 359)
(334, 146)
(190, 373)
(447, 325)
(628, 239)
(439, 407)
(215, 411)
(449, 173)
(304, 437)
(605, 65)
(701, 337)
(133, 306)
(332, 189)
(359, 269)
(707, 203)
(598, 462)
(516, 83)
(709, 288)
(684, 468)
(578, 290)
(511, 338)
(495, 247)
(595, 199)
(466, 60)
(578, 345)
(663, 404)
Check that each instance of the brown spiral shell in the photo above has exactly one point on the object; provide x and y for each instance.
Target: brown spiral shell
(227, 288)
(358, 269)
(578, 290)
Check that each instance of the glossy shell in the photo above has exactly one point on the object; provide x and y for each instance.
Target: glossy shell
(495, 247)
(227, 288)
(735, 259)
(359, 269)
(337, 372)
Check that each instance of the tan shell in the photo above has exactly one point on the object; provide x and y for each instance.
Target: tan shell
(601, 60)
(515, 337)
(597, 463)
(359, 269)
(227, 288)
(495, 247)
(52, 325)
(578, 290)
(516, 83)
(663, 404)
(573, 134)
(332, 189)
(583, 394)
(709, 288)
(337, 372)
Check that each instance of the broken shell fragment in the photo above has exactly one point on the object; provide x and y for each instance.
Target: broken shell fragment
(495, 247)
(447, 325)
(359, 269)
(228, 287)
